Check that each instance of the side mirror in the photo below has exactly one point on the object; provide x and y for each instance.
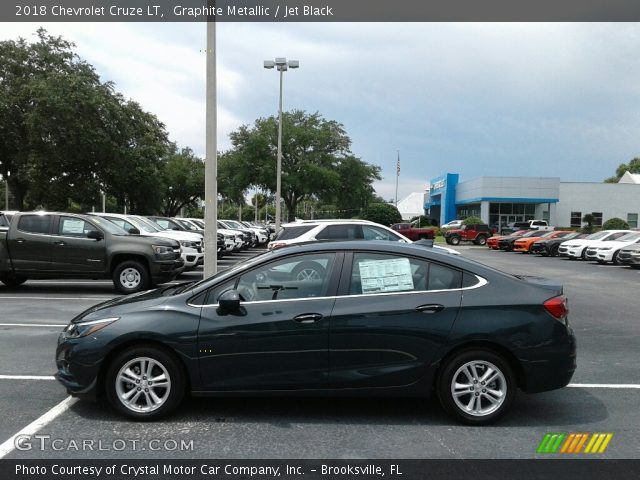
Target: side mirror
(134, 231)
(95, 235)
(229, 302)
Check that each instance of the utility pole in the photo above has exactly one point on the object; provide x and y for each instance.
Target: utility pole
(397, 176)
(211, 160)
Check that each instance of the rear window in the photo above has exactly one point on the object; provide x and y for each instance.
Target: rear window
(289, 233)
(35, 223)
(340, 232)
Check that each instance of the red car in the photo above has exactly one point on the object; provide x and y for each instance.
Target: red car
(492, 242)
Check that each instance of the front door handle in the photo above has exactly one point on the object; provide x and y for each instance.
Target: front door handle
(60, 243)
(308, 318)
(431, 308)
(20, 240)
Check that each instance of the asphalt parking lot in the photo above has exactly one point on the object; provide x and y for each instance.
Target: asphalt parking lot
(603, 396)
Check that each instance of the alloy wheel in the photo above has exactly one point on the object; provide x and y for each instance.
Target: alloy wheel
(478, 388)
(143, 384)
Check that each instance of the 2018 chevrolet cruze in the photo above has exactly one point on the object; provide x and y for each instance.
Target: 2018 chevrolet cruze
(344, 318)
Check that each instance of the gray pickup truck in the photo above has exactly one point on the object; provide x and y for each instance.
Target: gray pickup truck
(64, 245)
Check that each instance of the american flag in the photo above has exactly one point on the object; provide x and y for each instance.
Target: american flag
(398, 165)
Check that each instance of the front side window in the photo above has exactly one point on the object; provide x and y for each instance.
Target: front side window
(73, 227)
(302, 276)
(374, 273)
(35, 223)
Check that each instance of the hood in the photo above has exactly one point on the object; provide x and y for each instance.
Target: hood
(179, 235)
(612, 244)
(116, 306)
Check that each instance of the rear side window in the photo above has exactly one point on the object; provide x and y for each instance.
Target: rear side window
(4, 222)
(289, 233)
(340, 232)
(35, 223)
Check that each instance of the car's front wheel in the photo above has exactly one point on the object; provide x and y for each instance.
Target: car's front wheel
(131, 276)
(454, 240)
(13, 281)
(476, 386)
(481, 240)
(144, 383)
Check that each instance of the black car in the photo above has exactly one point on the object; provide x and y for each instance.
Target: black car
(337, 318)
(507, 243)
(549, 248)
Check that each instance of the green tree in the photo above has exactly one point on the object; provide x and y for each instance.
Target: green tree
(633, 167)
(472, 221)
(382, 213)
(615, 223)
(65, 135)
(182, 176)
(589, 219)
(315, 152)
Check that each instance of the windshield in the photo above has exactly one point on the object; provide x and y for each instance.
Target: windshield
(186, 224)
(141, 225)
(597, 236)
(535, 233)
(199, 223)
(233, 224)
(107, 226)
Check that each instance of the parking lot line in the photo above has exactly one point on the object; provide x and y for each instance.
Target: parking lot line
(9, 445)
(27, 377)
(604, 385)
(52, 325)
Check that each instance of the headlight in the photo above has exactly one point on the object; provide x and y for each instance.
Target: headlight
(82, 329)
(186, 243)
(603, 249)
(161, 249)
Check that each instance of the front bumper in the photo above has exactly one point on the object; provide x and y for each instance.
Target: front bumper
(571, 252)
(77, 373)
(627, 258)
(165, 270)
(539, 249)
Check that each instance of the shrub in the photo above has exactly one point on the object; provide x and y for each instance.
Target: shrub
(472, 221)
(615, 223)
(382, 213)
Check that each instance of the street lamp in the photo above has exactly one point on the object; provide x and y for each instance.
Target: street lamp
(282, 66)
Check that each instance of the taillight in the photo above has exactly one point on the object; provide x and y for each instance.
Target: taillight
(557, 306)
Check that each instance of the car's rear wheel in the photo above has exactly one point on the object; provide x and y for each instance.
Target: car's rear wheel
(476, 386)
(554, 251)
(615, 258)
(144, 383)
(481, 240)
(454, 240)
(583, 255)
(306, 271)
(131, 276)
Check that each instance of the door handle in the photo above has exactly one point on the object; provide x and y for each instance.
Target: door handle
(307, 318)
(60, 242)
(20, 240)
(431, 308)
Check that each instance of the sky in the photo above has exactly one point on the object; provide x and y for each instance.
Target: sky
(506, 99)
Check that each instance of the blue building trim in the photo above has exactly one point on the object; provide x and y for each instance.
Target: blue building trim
(507, 200)
(442, 191)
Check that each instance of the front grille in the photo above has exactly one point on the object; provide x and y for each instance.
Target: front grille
(591, 252)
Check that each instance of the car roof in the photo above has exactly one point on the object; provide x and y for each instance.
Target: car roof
(329, 222)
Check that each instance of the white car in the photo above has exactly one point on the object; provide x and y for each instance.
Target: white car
(191, 243)
(607, 251)
(312, 230)
(452, 224)
(578, 248)
(232, 240)
(262, 234)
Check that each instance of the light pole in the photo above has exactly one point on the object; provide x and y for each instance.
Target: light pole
(282, 66)
(6, 191)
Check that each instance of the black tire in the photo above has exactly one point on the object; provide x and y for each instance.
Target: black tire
(480, 240)
(583, 255)
(454, 240)
(174, 373)
(554, 251)
(140, 279)
(635, 267)
(506, 382)
(615, 258)
(312, 271)
(13, 281)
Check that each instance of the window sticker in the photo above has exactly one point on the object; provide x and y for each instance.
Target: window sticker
(75, 227)
(381, 276)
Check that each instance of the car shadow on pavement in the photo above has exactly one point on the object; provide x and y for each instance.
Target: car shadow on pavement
(573, 406)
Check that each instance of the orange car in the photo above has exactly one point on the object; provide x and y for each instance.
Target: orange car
(492, 242)
(524, 244)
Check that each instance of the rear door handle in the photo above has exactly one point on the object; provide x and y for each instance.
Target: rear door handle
(431, 308)
(20, 240)
(308, 318)
(60, 242)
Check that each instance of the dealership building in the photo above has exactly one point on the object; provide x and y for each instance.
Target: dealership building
(502, 200)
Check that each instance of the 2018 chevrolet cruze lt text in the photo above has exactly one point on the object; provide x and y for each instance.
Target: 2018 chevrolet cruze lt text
(343, 318)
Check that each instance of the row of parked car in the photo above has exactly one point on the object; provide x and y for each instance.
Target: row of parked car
(136, 252)
(620, 247)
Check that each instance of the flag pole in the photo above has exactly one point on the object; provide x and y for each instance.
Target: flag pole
(397, 176)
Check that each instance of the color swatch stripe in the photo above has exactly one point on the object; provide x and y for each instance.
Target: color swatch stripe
(572, 443)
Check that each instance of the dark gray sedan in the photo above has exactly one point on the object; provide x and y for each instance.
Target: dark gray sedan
(344, 318)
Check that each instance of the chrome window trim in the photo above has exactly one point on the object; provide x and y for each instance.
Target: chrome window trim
(481, 283)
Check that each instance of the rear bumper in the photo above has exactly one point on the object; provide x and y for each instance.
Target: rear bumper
(553, 369)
